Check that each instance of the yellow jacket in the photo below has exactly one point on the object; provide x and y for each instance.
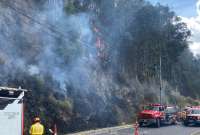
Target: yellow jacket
(37, 129)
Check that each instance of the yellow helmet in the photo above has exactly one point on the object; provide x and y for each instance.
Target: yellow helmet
(36, 119)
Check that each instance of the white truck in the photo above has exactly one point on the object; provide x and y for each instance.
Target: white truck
(11, 111)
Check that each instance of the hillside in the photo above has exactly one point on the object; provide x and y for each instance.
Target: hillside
(93, 63)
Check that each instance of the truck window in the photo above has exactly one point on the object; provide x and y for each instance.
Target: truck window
(153, 108)
(171, 110)
(195, 111)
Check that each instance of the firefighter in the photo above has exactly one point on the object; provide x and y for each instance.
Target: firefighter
(37, 128)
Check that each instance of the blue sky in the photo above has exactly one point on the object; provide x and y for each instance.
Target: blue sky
(185, 8)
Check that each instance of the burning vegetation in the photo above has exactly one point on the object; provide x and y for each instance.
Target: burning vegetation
(91, 63)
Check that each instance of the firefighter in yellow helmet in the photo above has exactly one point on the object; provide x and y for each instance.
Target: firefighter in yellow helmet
(37, 128)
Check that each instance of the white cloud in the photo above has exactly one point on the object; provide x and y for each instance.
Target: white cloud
(195, 48)
(194, 25)
(198, 7)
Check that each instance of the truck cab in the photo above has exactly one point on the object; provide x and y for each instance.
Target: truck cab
(192, 116)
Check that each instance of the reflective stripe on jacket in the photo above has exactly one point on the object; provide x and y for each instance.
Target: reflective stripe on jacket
(37, 129)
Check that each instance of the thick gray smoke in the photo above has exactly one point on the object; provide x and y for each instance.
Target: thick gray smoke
(46, 41)
(40, 39)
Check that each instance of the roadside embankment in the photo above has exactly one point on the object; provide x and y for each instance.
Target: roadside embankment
(110, 130)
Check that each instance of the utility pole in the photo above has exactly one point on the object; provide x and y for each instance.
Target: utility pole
(160, 80)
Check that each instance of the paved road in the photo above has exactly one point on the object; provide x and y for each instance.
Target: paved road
(166, 130)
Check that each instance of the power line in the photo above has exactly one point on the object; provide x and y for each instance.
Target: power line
(47, 26)
(51, 27)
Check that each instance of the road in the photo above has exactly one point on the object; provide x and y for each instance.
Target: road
(166, 130)
(178, 129)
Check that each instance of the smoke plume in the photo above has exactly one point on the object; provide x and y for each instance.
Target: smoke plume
(46, 41)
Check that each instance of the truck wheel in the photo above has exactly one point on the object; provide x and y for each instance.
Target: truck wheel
(157, 123)
(140, 124)
(174, 121)
(185, 123)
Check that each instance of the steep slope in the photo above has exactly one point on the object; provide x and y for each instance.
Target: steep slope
(90, 63)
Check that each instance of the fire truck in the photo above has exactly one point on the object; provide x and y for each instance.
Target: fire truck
(157, 114)
(192, 116)
(11, 111)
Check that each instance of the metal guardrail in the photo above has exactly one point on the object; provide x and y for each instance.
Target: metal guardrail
(112, 130)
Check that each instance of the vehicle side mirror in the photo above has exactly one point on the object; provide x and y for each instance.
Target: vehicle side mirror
(161, 109)
(141, 107)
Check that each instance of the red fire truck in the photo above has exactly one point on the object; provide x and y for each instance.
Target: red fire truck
(192, 116)
(157, 114)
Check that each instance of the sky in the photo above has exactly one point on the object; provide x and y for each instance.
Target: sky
(189, 11)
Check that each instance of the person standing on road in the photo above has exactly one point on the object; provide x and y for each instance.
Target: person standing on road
(37, 128)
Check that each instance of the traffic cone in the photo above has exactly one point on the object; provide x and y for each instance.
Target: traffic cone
(136, 126)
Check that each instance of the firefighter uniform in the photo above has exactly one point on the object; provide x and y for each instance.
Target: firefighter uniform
(37, 129)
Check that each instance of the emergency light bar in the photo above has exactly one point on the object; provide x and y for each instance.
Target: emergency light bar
(11, 93)
(13, 89)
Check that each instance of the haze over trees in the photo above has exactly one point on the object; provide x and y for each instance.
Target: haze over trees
(92, 63)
